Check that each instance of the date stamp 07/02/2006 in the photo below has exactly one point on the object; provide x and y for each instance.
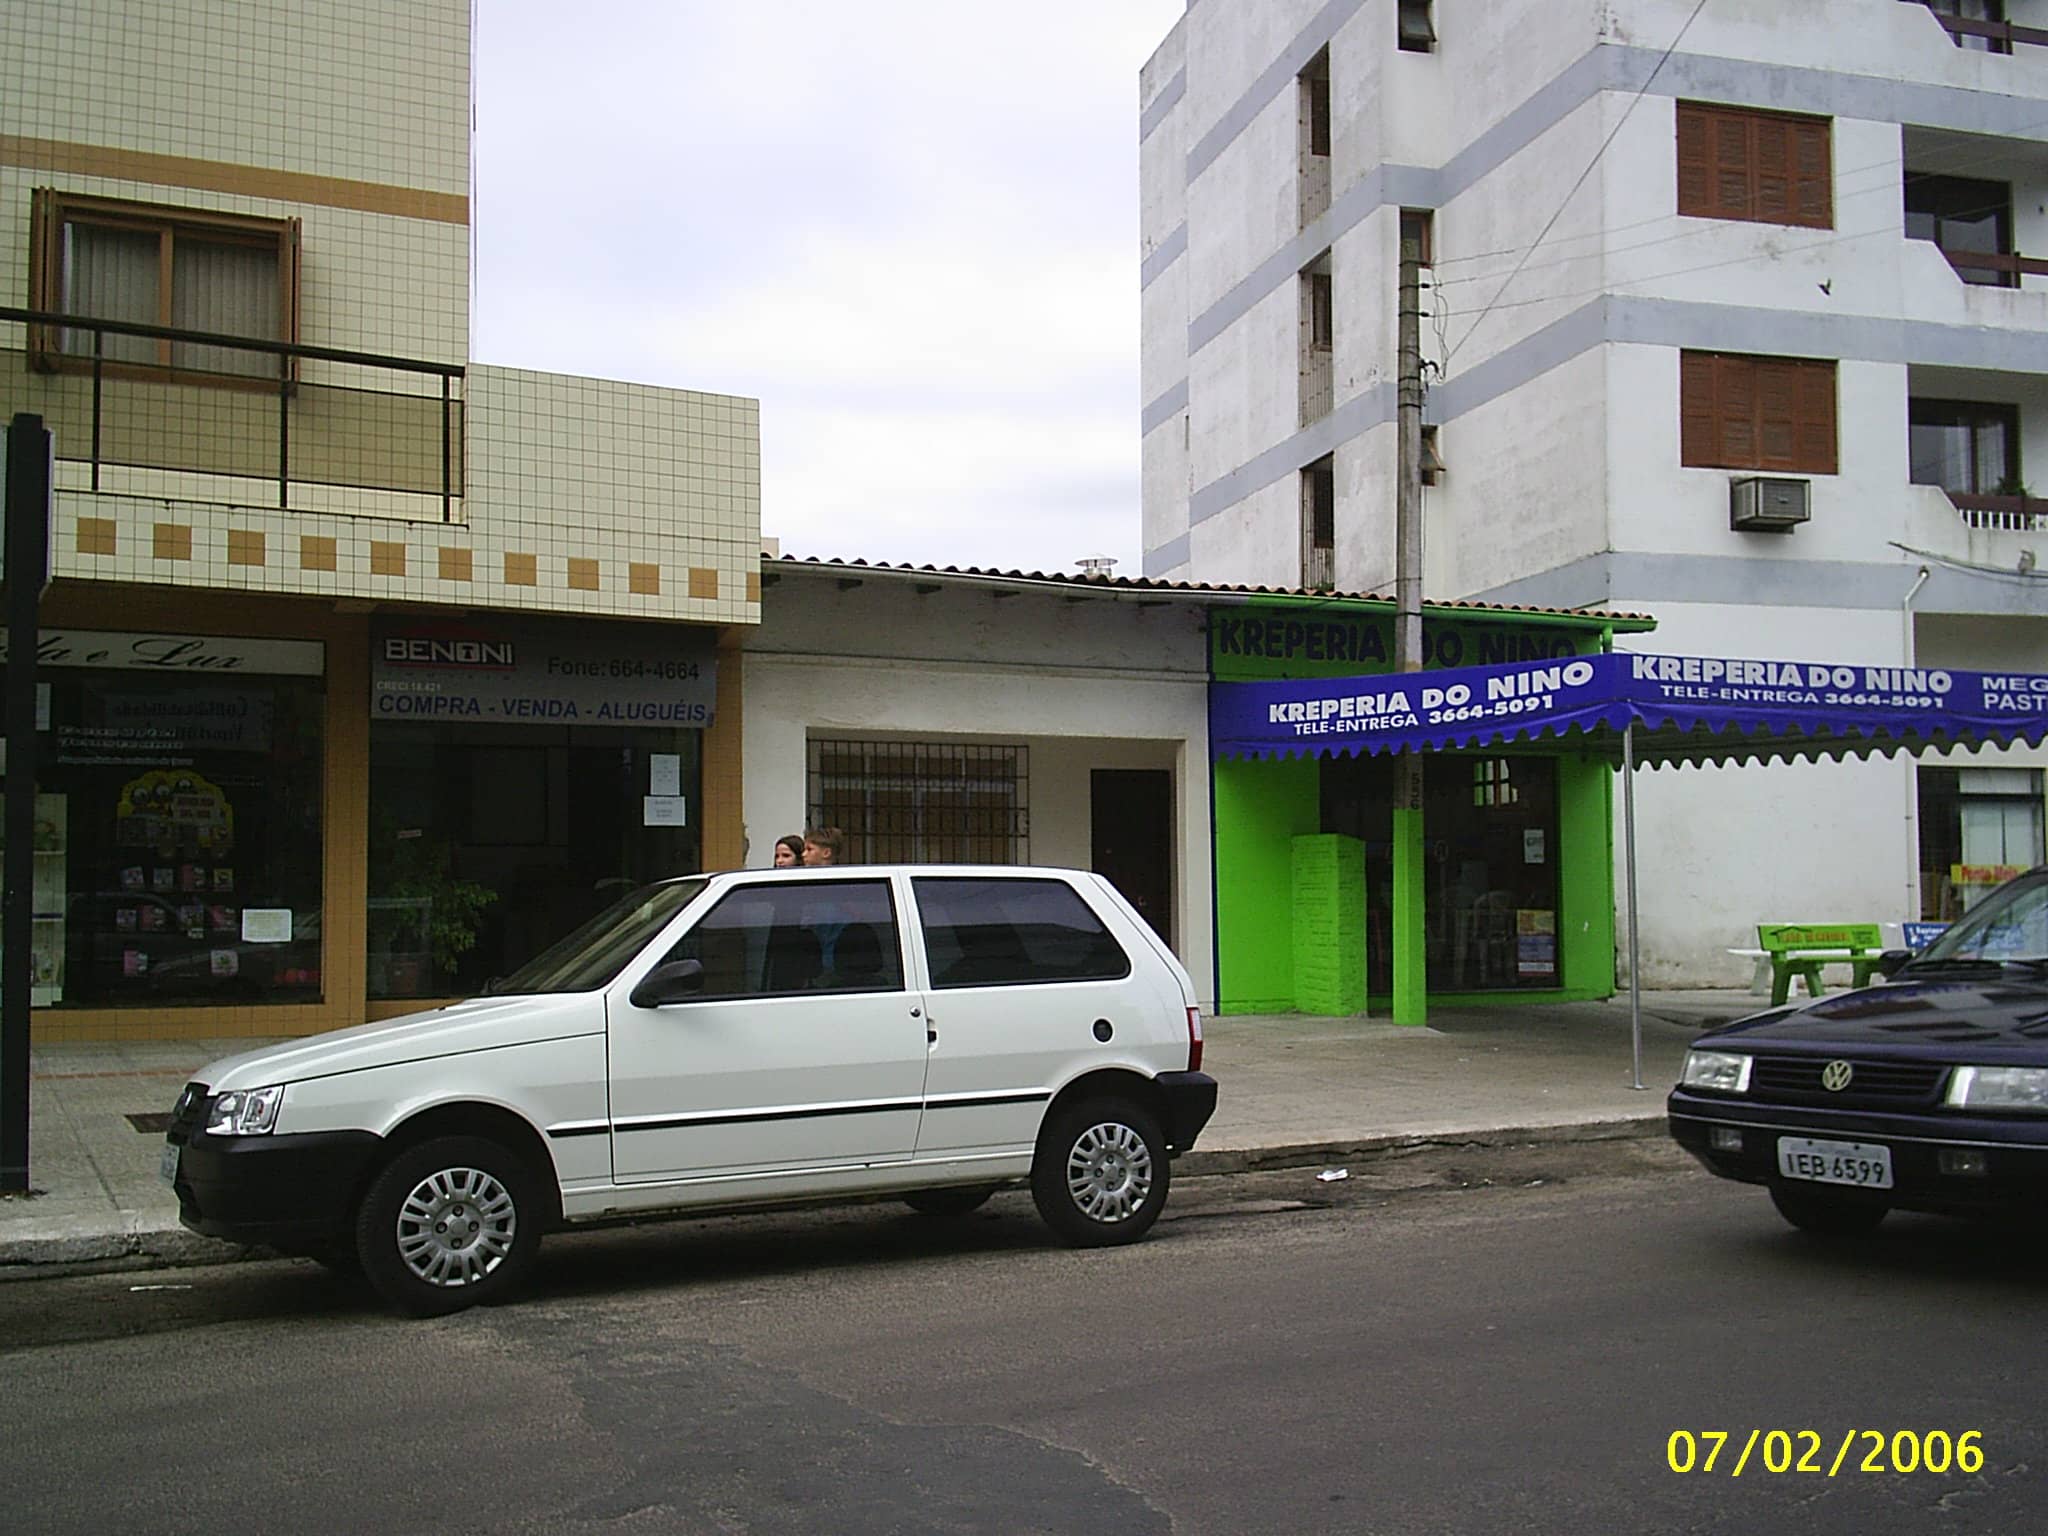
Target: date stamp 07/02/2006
(1807, 1451)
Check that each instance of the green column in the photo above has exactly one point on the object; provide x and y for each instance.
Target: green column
(1411, 981)
(1329, 924)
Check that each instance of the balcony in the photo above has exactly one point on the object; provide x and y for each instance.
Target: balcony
(1989, 33)
(156, 411)
(2001, 514)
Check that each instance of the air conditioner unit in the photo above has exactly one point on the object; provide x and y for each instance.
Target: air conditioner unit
(1758, 505)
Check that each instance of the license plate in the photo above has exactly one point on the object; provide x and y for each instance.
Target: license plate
(1867, 1165)
(167, 1164)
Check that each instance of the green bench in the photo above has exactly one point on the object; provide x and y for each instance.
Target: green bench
(1801, 949)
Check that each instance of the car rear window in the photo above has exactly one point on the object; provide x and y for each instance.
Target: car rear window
(988, 933)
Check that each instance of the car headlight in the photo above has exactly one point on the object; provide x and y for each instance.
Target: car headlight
(1722, 1071)
(244, 1112)
(2022, 1088)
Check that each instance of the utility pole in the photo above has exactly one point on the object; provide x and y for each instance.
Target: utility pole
(1410, 948)
(27, 546)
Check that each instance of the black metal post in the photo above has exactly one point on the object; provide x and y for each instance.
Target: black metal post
(28, 568)
(447, 444)
(99, 348)
(284, 431)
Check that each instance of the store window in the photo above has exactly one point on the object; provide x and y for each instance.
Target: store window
(488, 843)
(1491, 888)
(178, 823)
(1978, 828)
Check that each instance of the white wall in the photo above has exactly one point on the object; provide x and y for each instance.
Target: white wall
(1101, 683)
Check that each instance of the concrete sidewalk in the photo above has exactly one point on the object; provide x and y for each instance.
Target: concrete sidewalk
(1294, 1090)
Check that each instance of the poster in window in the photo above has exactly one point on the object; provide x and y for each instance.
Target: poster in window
(1535, 941)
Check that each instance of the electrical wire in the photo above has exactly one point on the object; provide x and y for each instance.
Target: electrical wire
(1997, 572)
(1565, 201)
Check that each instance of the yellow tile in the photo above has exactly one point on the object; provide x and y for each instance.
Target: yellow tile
(753, 586)
(522, 570)
(245, 546)
(96, 535)
(387, 558)
(316, 552)
(172, 541)
(703, 582)
(456, 564)
(582, 575)
(644, 579)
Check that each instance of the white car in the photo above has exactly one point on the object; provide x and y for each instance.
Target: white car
(716, 1042)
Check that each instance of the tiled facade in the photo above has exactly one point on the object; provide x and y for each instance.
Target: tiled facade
(355, 492)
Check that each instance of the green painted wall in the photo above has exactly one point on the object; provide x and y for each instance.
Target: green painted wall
(1585, 914)
(1261, 807)
(1329, 924)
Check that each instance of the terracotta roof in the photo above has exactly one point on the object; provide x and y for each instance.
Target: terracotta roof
(1195, 589)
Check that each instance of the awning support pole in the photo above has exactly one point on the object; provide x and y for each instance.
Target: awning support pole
(1635, 955)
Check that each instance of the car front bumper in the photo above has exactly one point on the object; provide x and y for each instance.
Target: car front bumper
(292, 1192)
(2014, 1150)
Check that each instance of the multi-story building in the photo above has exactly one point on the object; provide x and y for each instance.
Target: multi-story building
(367, 669)
(1727, 315)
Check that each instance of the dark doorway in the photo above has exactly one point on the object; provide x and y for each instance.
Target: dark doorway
(1131, 822)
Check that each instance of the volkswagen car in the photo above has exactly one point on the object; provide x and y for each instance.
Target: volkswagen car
(1926, 1092)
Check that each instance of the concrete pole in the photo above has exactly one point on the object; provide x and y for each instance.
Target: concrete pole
(1411, 981)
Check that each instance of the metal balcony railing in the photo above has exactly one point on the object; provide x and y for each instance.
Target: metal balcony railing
(128, 397)
(2008, 514)
(2011, 263)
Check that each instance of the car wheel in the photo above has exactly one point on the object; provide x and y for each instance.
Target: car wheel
(944, 1203)
(448, 1224)
(1100, 1174)
(1826, 1213)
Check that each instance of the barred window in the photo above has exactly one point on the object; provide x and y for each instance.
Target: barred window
(905, 802)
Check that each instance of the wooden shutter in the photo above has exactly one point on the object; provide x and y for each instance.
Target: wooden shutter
(1772, 180)
(1777, 387)
(1813, 175)
(1734, 167)
(1698, 436)
(1813, 418)
(1695, 160)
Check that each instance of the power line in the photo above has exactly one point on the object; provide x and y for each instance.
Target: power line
(1662, 59)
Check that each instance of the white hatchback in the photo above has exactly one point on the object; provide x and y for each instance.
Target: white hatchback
(717, 1042)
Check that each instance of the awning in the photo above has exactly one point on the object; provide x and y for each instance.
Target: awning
(1630, 708)
(1682, 709)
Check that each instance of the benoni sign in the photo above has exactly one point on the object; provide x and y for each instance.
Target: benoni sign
(177, 655)
(541, 675)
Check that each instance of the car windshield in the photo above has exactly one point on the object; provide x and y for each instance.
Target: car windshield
(593, 954)
(2010, 925)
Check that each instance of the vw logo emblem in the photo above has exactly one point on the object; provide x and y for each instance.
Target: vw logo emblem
(1835, 1076)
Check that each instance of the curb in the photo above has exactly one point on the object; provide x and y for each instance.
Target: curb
(50, 1255)
(1195, 1165)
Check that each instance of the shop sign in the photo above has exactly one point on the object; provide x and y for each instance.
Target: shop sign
(176, 655)
(1290, 641)
(542, 675)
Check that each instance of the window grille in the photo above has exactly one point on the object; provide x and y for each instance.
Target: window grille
(904, 802)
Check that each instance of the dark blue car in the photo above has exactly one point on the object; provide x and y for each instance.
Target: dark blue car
(1927, 1092)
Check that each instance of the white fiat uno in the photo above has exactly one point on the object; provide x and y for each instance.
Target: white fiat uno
(717, 1042)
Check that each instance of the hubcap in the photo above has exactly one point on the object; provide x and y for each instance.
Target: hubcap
(1109, 1172)
(456, 1227)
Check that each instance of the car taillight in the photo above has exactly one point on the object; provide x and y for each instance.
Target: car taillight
(1194, 1039)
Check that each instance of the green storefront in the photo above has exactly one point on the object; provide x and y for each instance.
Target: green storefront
(1514, 876)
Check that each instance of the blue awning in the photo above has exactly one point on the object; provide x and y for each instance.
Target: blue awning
(1684, 709)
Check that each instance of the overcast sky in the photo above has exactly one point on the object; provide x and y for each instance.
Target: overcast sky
(908, 227)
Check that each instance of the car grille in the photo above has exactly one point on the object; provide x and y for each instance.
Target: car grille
(1872, 1085)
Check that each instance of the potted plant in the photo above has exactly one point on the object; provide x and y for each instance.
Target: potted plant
(422, 918)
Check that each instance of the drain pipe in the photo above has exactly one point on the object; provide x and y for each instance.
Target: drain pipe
(1912, 906)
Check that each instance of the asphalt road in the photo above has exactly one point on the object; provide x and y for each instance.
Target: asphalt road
(1454, 1341)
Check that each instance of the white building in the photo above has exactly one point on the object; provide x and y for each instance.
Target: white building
(1670, 248)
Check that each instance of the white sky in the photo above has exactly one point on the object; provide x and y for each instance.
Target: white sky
(908, 227)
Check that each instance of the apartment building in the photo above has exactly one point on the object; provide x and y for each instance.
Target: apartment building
(1728, 316)
(365, 670)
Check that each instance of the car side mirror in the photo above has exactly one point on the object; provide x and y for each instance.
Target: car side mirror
(1892, 961)
(674, 981)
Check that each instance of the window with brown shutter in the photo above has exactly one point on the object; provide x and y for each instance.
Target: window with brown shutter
(1763, 167)
(1738, 412)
